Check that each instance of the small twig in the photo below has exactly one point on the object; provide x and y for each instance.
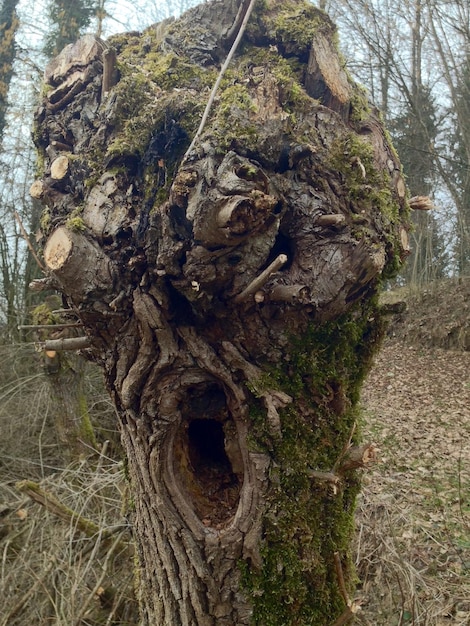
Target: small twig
(49, 326)
(345, 448)
(24, 599)
(340, 577)
(345, 617)
(327, 477)
(219, 77)
(28, 242)
(102, 455)
(259, 281)
(99, 582)
(351, 607)
(45, 284)
(64, 312)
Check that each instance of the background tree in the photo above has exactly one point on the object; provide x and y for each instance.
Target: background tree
(8, 27)
(226, 283)
(412, 57)
(450, 29)
(68, 21)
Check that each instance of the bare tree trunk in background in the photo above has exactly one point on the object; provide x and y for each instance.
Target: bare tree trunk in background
(8, 27)
(228, 295)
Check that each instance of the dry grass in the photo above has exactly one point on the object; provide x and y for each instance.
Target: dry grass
(50, 571)
(53, 573)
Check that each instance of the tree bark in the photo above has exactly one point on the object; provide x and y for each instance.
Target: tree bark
(229, 295)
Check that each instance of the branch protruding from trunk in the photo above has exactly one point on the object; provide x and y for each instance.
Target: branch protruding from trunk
(260, 280)
(290, 293)
(421, 203)
(60, 167)
(37, 189)
(331, 220)
(66, 343)
(77, 262)
(109, 71)
(358, 457)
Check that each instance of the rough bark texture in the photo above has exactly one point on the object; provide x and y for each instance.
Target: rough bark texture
(229, 295)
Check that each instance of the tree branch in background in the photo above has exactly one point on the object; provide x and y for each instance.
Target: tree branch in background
(28, 243)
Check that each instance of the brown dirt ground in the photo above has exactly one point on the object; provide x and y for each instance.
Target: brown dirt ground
(413, 553)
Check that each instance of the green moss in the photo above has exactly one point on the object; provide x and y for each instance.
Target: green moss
(294, 27)
(360, 107)
(235, 97)
(306, 523)
(132, 115)
(75, 223)
(292, 92)
(45, 220)
(169, 71)
(42, 315)
(369, 189)
(233, 119)
(371, 196)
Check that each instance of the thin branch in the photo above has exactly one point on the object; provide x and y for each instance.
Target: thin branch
(52, 504)
(95, 591)
(345, 617)
(328, 477)
(259, 281)
(49, 326)
(67, 343)
(26, 596)
(47, 283)
(340, 577)
(28, 242)
(215, 88)
(345, 448)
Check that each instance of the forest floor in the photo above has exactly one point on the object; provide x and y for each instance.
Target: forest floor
(413, 552)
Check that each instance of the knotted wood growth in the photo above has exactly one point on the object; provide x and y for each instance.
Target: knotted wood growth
(228, 293)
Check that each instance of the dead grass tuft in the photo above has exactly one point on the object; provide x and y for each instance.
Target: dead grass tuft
(54, 573)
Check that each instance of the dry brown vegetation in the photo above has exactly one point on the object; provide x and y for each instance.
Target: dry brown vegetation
(414, 512)
(413, 545)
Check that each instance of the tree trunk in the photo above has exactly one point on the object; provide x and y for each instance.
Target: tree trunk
(229, 295)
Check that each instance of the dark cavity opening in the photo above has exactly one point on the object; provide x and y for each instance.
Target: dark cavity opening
(206, 441)
(282, 245)
(207, 458)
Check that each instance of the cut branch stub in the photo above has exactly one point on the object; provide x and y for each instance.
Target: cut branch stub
(326, 79)
(60, 167)
(37, 189)
(81, 267)
(74, 56)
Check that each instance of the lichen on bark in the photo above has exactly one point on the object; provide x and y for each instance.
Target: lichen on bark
(229, 294)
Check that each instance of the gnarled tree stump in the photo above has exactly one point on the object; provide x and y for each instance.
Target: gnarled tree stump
(228, 293)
